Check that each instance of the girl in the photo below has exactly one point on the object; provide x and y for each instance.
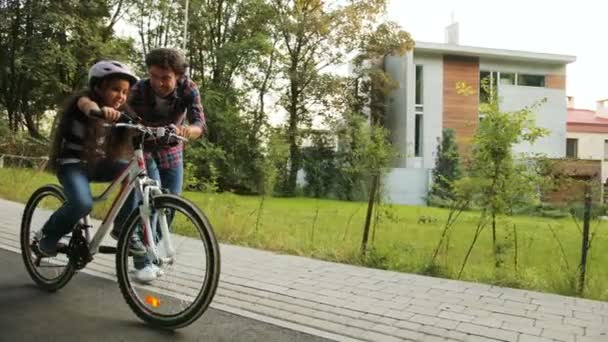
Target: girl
(83, 151)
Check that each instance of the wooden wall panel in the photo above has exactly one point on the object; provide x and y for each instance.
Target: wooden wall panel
(461, 110)
(555, 81)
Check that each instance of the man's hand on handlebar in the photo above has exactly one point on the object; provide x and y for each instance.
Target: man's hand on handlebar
(188, 132)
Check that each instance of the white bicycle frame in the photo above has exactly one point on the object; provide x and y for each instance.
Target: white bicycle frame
(134, 178)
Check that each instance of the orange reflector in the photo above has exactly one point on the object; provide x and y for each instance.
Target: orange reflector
(153, 301)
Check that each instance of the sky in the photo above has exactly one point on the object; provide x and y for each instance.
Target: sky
(577, 28)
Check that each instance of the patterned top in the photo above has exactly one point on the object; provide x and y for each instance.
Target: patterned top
(73, 135)
(184, 103)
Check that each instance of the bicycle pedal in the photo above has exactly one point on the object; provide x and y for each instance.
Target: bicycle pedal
(107, 250)
(62, 248)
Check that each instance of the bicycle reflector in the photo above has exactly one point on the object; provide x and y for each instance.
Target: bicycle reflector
(153, 301)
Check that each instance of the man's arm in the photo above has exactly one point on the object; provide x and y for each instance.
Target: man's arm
(195, 115)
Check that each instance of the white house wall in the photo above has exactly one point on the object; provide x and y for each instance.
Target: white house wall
(396, 119)
(432, 93)
(406, 186)
(550, 115)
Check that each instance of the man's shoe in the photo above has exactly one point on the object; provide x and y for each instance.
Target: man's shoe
(159, 271)
(146, 274)
(136, 246)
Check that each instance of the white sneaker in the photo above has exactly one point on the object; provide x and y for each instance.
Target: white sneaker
(146, 274)
(159, 271)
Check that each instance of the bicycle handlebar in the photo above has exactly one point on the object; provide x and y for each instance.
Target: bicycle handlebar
(156, 132)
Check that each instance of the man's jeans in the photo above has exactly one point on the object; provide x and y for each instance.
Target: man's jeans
(171, 179)
(75, 180)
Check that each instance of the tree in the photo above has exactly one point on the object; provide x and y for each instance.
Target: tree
(46, 48)
(320, 166)
(373, 87)
(499, 181)
(447, 168)
(157, 21)
(315, 34)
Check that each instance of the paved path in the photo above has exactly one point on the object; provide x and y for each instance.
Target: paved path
(92, 309)
(349, 303)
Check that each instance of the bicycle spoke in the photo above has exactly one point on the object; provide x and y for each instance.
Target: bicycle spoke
(186, 286)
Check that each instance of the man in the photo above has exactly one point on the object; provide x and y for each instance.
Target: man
(166, 97)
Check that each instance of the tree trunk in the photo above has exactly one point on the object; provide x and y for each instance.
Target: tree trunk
(370, 209)
(31, 127)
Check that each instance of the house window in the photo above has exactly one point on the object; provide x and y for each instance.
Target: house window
(572, 148)
(531, 80)
(419, 92)
(605, 149)
(487, 85)
(418, 136)
(507, 78)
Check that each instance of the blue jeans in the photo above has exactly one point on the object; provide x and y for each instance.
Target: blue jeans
(75, 180)
(171, 179)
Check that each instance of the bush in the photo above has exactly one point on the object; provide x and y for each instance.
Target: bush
(543, 210)
(578, 210)
(319, 167)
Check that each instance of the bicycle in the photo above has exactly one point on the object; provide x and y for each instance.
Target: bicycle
(154, 302)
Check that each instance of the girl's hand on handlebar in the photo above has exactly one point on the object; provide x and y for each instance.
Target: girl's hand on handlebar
(110, 114)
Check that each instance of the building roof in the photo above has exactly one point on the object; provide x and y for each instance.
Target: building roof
(473, 51)
(584, 116)
(585, 121)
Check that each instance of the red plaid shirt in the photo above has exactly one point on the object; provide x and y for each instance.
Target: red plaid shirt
(184, 103)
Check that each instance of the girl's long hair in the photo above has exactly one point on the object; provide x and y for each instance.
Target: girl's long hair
(117, 140)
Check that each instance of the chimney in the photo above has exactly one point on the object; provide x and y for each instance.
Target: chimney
(451, 32)
(602, 108)
(570, 101)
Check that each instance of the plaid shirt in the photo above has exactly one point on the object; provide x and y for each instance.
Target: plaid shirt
(184, 102)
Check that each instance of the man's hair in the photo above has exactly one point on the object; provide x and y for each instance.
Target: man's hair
(167, 58)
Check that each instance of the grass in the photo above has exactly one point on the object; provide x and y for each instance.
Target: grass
(548, 249)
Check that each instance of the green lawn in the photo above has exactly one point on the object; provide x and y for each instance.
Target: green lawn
(400, 243)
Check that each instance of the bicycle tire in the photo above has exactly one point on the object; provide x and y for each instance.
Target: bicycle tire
(210, 281)
(54, 284)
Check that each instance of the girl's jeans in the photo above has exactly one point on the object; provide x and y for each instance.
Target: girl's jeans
(75, 180)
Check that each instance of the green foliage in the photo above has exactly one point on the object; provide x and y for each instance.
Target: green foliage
(447, 169)
(363, 151)
(47, 47)
(319, 166)
(500, 181)
(313, 36)
(276, 156)
(401, 245)
(578, 210)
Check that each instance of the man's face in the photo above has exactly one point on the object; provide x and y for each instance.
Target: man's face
(163, 80)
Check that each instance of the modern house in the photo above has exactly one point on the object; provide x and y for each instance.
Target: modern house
(587, 135)
(439, 87)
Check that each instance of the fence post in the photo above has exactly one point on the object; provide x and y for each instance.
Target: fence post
(585, 246)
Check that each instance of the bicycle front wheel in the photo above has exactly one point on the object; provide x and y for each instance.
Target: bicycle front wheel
(49, 273)
(185, 277)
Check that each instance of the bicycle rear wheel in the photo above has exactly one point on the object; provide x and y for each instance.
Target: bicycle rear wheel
(190, 275)
(49, 273)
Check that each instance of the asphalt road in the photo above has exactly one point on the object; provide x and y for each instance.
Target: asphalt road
(92, 309)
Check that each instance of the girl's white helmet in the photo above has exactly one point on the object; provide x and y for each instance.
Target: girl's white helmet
(106, 68)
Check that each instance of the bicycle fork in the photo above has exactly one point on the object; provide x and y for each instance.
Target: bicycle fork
(145, 211)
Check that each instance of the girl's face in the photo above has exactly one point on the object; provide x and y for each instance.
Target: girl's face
(114, 92)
